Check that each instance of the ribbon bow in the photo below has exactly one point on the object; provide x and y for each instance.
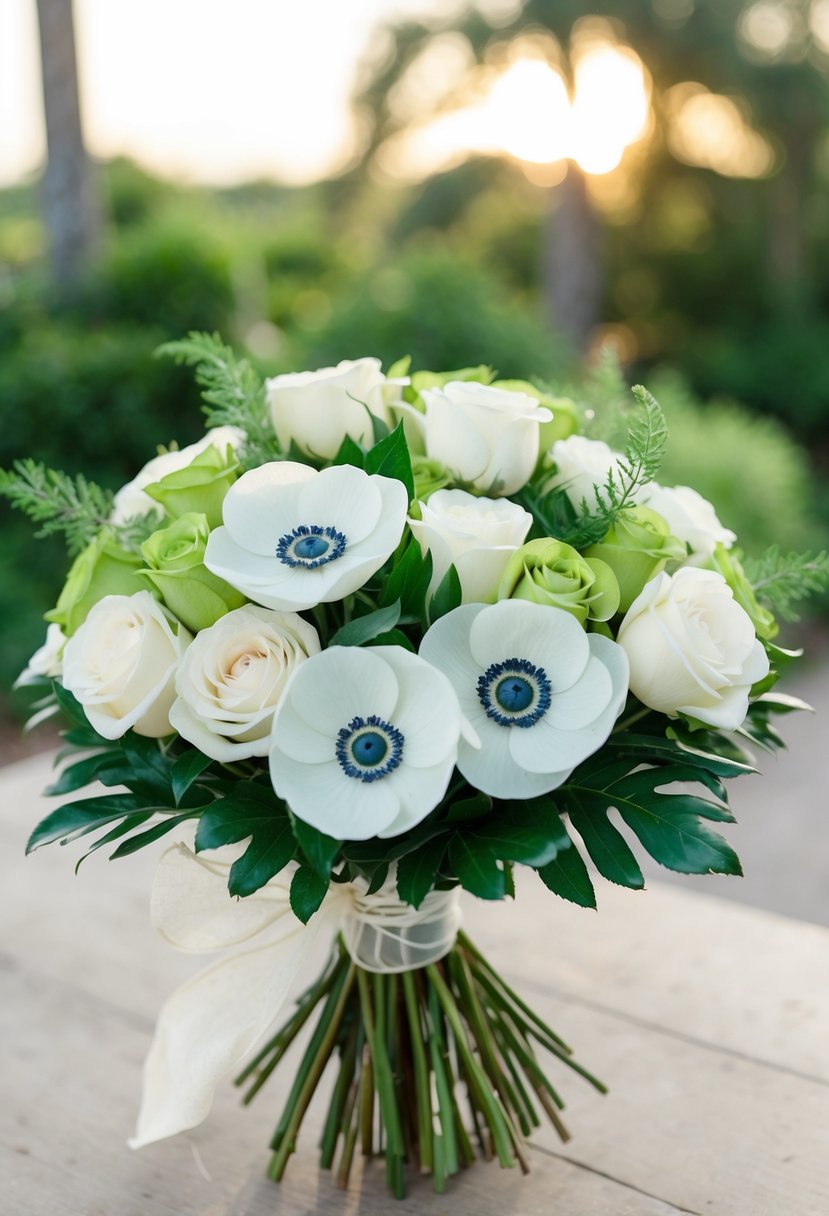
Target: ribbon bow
(210, 1024)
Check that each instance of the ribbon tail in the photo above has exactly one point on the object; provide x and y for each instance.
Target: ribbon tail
(209, 1025)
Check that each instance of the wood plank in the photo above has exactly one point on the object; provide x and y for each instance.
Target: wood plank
(672, 998)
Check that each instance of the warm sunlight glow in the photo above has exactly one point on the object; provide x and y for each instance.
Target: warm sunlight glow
(710, 131)
(526, 112)
(610, 107)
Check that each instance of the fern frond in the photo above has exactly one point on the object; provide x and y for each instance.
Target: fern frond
(782, 580)
(233, 393)
(73, 506)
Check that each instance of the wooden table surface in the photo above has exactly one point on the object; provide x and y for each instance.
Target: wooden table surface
(709, 1021)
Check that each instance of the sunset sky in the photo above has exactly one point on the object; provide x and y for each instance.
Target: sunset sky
(210, 90)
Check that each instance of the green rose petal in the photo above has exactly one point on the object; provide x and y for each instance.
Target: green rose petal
(551, 572)
(104, 568)
(175, 566)
(637, 548)
(199, 488)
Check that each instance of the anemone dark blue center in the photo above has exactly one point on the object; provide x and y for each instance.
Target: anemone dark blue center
(310, 546)
(369, 748)
(515, 692)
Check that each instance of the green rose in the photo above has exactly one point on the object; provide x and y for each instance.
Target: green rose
(429, 476)
(175, 566)
(550, 572)
(637, 548)
(565, 415)
(198, 488)
(104, 568)
(726, 563)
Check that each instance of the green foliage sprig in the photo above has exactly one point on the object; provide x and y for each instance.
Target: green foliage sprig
(782, 580)
(232, 391)
(73, 506)
(644, 451)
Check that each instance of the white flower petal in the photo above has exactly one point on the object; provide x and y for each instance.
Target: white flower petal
(446, 646)
(344, 498)
(547, 637)
(342, 683)
(419, 792)
(582, 703)
(334, 803)
(262, 505)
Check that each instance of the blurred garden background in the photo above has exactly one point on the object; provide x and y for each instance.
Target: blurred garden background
(587, 194)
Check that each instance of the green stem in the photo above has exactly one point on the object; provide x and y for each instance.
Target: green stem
(630, 719)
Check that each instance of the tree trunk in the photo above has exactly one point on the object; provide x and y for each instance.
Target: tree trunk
(572, 261)
(68, 196)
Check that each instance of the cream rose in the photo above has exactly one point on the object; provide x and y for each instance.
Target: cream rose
(131, 501)
(581, 465)
(488, 437)
(692, 649)
(121, 665)
(316, 410)
(232, 678)
(47, 660)
(691, 519)
(476, 535)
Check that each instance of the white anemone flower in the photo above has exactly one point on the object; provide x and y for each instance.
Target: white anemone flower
(540, 693)
(364, 741)
(294, 538)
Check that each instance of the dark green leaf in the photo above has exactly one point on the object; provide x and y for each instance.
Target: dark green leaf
(308, 891)
(363, 628)
(409, 581)
(653, 748)
(447, 597)
(126, 825)
(190, 765)
(669, 827)
(77, 818)
(531, 833)
(349, 453)
(417, 872)
(146, 754)
(319, 850)
(71, 706)
(134, 843)
(84, 772)
(392, 637)
(390, 458)
(377, 879)
(567, 876)
(608, 849)
(477, 868)
(469, 808)
(269, 851)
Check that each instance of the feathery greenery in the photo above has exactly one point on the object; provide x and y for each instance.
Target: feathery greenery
(781, 580)
(73, 506)
(644, 452)
(232, 391)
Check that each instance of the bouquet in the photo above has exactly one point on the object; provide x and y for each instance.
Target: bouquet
(374, 640)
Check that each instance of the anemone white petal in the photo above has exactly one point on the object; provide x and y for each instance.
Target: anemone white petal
(343, 497)
(263, 504)
(323, 796)
(547, 637)
(446, 646)
(426, 712)
(339, 684)
(419, 792)
(582, 703)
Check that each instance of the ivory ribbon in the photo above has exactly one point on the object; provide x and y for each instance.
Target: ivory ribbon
(210, 1024)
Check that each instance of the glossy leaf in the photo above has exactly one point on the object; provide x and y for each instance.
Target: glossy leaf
(308, 890)
(567, 876)
(363, 628)
(477, 868)
(417, 872)
(390, 458)
(187, 768)
(319, 850)
(447, 597)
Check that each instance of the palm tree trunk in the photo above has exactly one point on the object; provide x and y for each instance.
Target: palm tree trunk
(572, 261)
(68, 196)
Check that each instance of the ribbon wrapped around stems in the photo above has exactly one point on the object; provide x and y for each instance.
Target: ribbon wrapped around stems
(210, 1024)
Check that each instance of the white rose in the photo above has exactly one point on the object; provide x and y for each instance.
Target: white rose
(691, 518)
(121, 665)
(47, 660)
(581, 465)
(316, 410)
(476, 535)
(131, 501)
(692, 648)
(487, 437)
(232, 678)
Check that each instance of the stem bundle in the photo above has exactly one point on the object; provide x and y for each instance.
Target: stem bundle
(426, 1063)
